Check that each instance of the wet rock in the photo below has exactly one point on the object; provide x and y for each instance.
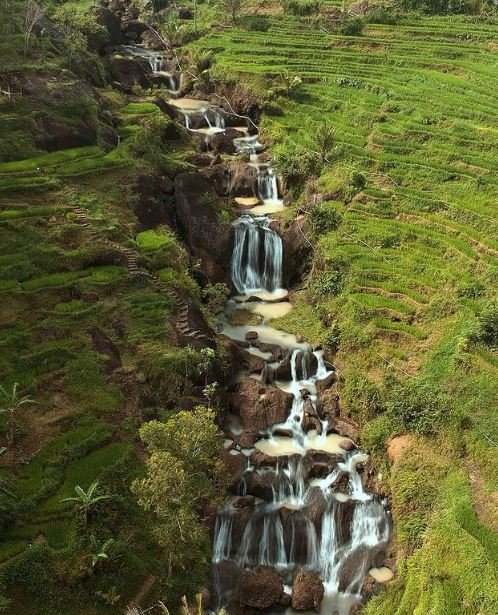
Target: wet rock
(243, 180)
(268, 374)
(283, 433)
(325, 383)
(355, 562)
(304, 393)
(329, 404)
(251, 336)
(259, 486)
(248, 437)
(234, 465)
(284, 371)
(261, 588)
(260, 407)
(208, 239)
(243, 501)
(341, 484)
(258, 458)
(285, 600)
(307, 591)
(278, 353)
(311, 419)
(241, 359)
(222, 142)
(344, 426)
(315, 505)
(346, 445)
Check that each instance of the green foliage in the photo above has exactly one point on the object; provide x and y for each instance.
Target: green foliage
(445, 6)
(325, 217)
(353, 27)
(363, 398)
(216, 296)
(487, 327)
(183, 470)
(295, 163)
(419, 406)
(301, 8)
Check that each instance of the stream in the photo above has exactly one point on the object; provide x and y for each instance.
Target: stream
(315, 515)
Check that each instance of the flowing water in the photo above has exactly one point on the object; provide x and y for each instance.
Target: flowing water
(329, 525)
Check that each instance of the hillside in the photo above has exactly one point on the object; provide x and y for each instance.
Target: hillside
(117, 206)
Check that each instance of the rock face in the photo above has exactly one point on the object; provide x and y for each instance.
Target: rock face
(261, 588)
(297, 251)
(155, 204)
(112, 23)
(198, 222)
(129, 72)
(307, 591)
(52, 134)
(222, 143)
(258, 406)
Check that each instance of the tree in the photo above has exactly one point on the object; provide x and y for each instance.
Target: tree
(183, 470)
(11, 404)
(232, 7)
(31, 15)
(86, 500)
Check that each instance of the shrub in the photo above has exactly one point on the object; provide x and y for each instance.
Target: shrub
(325, 218)
(301, 8)
(375, 434)
(363, 397)
(353, 27)
(258, 23)
(295, 163)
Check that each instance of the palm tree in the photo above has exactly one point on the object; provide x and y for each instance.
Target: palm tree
(86, 499)
(11, 402)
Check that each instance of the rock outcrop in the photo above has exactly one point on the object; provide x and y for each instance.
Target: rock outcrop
(207, 237)
(258, 406)
(307, 591)
(261, 588)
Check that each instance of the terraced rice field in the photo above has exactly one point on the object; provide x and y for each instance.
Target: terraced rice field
(415, 111)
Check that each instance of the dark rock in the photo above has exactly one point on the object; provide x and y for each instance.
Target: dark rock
(209, 240)
(241, 359)
(205, 598)
(251, 336)
(248, 437)
(261, 588)
(311, 419)
(347, 445)
(307, 591)
(243, 500)
(112, 23)
(52, 134)
(268, 374)
(298, 249)
(235, 465)
(222, 142)
(154, 204)
(344, 426)
(258, 486)
(285, 600)
(329, 406)
(278, 353)
(185, 12)
(325, 383)
(130, 72)
(315, 505)
(260, 407)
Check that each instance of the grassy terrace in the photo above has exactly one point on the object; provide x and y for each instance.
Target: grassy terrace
(408, 270)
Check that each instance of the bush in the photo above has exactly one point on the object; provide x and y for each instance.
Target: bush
(375, 434)
(258, 23)
(301, 8)
(418, 406)
(382, 15)
(353, 27)
(325, 218)
(295, 163)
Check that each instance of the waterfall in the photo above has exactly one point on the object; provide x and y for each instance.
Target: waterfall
(257, 256)
(222, 545)
(156, 63)
(267, 185)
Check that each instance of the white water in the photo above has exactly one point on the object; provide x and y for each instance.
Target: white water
(257, 256)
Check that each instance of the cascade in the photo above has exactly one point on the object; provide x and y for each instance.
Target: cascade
(257, 256)
(281, 529)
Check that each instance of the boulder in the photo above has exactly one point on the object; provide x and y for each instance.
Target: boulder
(241, 359)
(258, 406)
(251, 336)
(130, 72)
(324, 384)
(329, 406)
(311, 419)
(259, 486)
(315, 505)
(222, 142)
(307, 591)
(344, 426)
(234, 466)
(209, 240)
(347, 445)
(261, 588)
